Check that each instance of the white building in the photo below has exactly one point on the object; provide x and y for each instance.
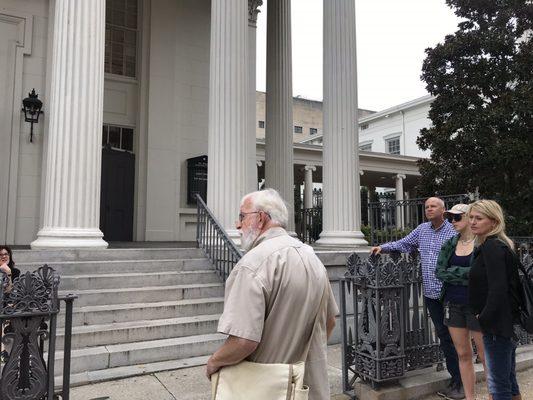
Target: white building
(132, 89)
(393, 130)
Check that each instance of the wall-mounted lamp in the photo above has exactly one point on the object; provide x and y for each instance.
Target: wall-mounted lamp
(32, 110)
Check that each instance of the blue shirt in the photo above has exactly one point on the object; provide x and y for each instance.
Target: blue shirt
(428, 241)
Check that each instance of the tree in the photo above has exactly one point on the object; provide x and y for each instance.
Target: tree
(481, 136)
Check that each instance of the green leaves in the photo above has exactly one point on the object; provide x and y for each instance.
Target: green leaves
(482, 128)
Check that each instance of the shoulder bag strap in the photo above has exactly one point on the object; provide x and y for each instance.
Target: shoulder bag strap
(320, 308)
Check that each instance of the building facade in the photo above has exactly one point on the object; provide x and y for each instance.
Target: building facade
(391, 131)
(134, 89)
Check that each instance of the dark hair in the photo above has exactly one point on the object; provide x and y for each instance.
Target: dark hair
(11, 263)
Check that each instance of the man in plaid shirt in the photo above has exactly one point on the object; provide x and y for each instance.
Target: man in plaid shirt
(428, 239)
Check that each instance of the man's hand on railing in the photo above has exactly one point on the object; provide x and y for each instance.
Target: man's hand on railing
(375, 250)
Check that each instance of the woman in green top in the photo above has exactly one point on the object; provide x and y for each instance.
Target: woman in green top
(453, 267)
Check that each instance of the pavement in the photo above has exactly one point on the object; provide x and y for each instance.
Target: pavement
(182, 384)
(191, 384)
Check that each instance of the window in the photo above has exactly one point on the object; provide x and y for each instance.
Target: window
(313, 131)
(366, 147)
(121, 37)
(261, 124)
(393, 145)
(364, 126)
(298, 129)
(117, 137)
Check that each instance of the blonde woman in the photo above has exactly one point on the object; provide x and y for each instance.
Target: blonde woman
(493, 277)
(453, 269)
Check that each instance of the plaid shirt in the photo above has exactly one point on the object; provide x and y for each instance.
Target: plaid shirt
(428, 241)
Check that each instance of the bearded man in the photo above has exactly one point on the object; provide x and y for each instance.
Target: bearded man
(272, 297)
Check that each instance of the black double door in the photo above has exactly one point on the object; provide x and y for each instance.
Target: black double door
(117, 193)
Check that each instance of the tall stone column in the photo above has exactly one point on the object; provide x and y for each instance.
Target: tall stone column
(279, 171)
(341, 204)
(308, 186)
(72, 164)
(228, 111)
(251, 169)
(399, 197)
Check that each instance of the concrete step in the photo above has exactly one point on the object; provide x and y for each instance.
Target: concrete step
(68, 268)
(107, 314)
(130, 354)
(150, 294)
(49, 256)
(137, 279)
(139, 331)
(103, 375)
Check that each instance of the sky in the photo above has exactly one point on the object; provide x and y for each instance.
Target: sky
(391, 38)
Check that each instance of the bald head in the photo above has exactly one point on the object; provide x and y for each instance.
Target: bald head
(434, 209)
(437, 200)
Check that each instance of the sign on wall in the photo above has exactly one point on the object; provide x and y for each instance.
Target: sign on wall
(196, 178)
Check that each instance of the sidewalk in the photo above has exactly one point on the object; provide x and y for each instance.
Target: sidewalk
(182, 384)
(191, 384)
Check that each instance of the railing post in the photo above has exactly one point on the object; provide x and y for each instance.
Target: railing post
(69, 303)
(346, 359)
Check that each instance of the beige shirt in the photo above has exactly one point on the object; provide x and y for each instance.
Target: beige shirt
(272, 297)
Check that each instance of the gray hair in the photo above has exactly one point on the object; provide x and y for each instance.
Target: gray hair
(270, 202)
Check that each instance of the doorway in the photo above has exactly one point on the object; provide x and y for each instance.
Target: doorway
(117, 195)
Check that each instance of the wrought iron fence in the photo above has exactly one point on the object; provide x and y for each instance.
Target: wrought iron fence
(385, 327)
(391, 220)
(28, 316)
(212, 238)
(308, 224)
(523, 244)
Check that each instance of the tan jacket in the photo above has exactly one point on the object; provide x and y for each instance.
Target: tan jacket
(272, 297)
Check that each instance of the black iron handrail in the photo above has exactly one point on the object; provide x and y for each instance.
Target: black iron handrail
(213, 239)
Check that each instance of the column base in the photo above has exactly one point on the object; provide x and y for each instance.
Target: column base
(69, 238)
(341, 239)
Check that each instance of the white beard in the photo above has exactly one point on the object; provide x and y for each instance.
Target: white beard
(248, 238)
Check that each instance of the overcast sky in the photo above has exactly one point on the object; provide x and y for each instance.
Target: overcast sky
(391, 38)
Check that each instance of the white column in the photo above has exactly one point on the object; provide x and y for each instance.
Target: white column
(408, 211)
(72, 165)
(228, 111)
(341, 206)
(399, 197)
(251, 169)
(308, 186)
(279, 170)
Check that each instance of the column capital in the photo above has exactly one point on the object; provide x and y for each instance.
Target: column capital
(253, 10)
(310, 168)
(259, 163)
(361, 173)
(399, 176)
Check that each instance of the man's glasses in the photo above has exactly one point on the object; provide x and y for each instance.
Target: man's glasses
(243, 215)
(454, 217)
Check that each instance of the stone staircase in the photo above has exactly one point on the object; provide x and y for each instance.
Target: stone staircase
(138, 310)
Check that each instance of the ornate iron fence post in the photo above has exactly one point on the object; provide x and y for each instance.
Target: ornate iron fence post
(28, 315)
(385, 326)
(26, 310)
(374, 341)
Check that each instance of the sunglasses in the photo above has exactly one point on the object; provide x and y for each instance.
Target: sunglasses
(454, 217)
